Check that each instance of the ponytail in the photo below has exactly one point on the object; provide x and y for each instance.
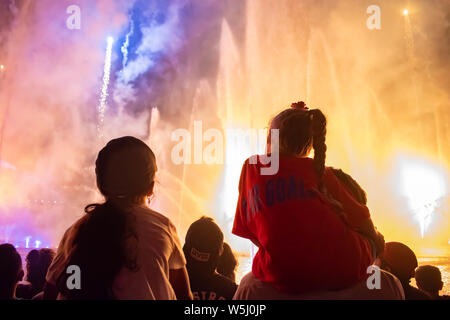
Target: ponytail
(319, 130)
(100, 250)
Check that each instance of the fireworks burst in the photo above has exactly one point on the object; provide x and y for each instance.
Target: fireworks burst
(424, 186)
(104, 92)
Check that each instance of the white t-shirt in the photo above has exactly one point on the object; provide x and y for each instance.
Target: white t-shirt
(251, 288)
(158, 251)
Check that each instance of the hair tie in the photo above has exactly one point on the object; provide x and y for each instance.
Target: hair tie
(300, 105)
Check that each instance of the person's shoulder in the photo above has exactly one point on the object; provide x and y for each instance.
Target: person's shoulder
(23, 290)
(257, 160)
(24, 285)
(412, 293)
(223, 285)
(252, 160)
(71, 231)
(77, 224)
(146, 215)
(224, 281)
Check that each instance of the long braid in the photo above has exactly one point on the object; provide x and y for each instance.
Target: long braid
(319, 131)
(300, 128)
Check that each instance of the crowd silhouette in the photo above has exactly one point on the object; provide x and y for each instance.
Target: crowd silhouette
(310, 223)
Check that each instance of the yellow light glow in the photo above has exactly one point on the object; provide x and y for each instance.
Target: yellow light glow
(239, 146)
(405, 12)
(2, 67)
(423, 185)
(235, 154)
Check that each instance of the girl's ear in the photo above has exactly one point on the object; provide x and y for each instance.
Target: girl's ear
(151, 187)
(268, 145)
(20, 275)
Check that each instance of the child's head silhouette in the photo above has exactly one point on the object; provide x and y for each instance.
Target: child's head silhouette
(301, 130)
(125, 168)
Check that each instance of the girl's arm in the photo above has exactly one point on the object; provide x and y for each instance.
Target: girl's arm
(178, 275)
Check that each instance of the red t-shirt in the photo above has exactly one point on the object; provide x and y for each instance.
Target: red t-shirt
(303, 244)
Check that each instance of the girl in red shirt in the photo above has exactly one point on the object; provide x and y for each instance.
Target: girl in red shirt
(311, 233)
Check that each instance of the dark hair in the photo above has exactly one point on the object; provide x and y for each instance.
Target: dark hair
(103, 243)
(299, 130)
(38, 262)
(32, 261)
(227, 262)
(429, 278)
(10, 266)
(400, 260)
(203, 245)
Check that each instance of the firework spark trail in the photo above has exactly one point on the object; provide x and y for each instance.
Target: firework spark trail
(409, 36)
(104, 93)
(126, 44)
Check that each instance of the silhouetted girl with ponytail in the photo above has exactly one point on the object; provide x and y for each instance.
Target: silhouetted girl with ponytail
(311, 233)
(121, 248)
